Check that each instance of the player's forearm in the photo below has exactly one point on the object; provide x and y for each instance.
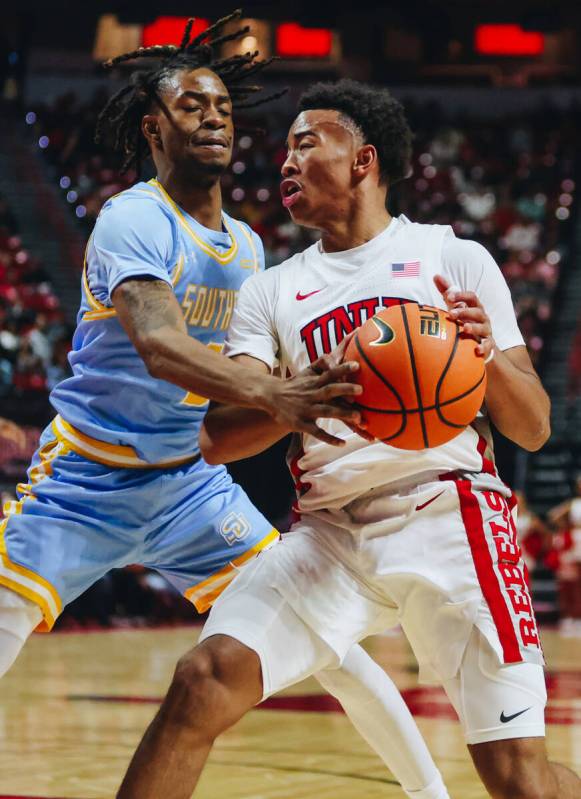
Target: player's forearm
(517, 403)
(179, 359)
(231, 433)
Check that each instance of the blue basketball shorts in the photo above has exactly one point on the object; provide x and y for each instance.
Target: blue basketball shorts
(77, 518)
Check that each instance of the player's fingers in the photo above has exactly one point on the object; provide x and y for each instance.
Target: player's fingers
(340, 350)
(322, 435)
(469, 315)
(476, 331)
(338, 373)
(344, 414)
(335, 390)
(455, 297)
(486, 347)
(322, 364)
(442, 284)
(361, 431)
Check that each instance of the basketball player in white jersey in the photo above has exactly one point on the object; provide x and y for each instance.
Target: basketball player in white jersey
(427, 538)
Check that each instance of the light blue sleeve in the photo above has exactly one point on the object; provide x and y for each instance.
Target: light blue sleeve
(259, 250)
(132, 238)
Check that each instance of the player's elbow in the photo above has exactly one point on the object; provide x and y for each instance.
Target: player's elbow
(210, 448)
(538, 437)
(150, 349)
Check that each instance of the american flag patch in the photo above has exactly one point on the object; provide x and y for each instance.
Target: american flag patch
(406, 269)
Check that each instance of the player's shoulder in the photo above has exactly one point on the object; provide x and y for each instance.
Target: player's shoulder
(407, 227)
(141, 201)
(466, 251)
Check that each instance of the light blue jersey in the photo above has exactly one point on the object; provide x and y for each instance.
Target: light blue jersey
(111, 397)
(117, 478)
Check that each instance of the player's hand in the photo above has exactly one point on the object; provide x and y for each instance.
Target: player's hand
(466, 308)
(299, 401)
(330, 361)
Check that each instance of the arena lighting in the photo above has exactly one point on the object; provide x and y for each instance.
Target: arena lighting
(510, 40)
(294, 41)
(169, 30)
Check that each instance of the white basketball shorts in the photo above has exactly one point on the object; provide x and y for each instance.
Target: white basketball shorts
(443, 562)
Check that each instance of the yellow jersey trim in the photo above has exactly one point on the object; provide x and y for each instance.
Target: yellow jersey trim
(116, 455)
(250, 240)
(18, 578)
(106, 311)
(223, 258)
(204, 594)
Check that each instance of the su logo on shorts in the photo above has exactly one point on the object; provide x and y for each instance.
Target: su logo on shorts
(234, 527)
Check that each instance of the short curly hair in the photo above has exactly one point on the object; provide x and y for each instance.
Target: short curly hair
(380, 118)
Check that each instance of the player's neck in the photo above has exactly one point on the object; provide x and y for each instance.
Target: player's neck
(204, 203)
(357, 229)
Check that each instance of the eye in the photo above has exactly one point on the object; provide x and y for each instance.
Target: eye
(189, 108)
(225, 112)
(305, 145)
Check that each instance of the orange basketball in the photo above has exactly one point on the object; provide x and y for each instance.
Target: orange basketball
(423, 382)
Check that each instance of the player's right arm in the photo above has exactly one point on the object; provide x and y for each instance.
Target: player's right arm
(130, 256)
(230, 433)
(153, 320)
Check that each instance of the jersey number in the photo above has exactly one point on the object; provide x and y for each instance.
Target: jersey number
(195, 400)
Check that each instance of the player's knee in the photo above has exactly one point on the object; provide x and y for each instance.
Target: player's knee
(208, 688)
(18, 618)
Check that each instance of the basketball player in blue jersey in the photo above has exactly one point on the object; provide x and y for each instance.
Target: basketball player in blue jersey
(118, 478)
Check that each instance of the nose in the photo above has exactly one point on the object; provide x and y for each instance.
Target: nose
(213, 119)
(289, 168)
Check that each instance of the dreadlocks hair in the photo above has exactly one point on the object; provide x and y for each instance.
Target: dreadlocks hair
(378, 116)
(119, 123)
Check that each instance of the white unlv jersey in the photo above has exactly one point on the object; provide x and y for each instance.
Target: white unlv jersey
(293, 313)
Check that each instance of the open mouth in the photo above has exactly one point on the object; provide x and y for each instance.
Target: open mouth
(290, 191)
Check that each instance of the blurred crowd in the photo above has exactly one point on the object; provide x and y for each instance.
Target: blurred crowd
(553, 544)
(509, 184)
(34, 343)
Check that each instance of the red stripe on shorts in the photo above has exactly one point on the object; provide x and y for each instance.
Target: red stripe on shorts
(474, 526)
(487, 465)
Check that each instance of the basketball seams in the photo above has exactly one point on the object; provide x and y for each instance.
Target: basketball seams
(443, 375)
(415, 375)
(438, 405)
(386, 383)
(426, 408)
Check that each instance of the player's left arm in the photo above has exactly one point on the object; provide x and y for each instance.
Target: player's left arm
(230, 433)
(516, 401)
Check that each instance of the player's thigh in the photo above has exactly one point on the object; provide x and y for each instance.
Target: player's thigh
(66, 529)
(254, 613)
(497, 702)
(207, 531)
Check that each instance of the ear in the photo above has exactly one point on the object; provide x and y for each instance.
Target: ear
(150, 129)
(365, 160)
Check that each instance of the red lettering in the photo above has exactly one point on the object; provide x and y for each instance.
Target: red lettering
(323, 323)
(528, 632)
(505, 546)
(307, 335)
(343, 324)
(493, 500)
(511, 574)
(520, 601)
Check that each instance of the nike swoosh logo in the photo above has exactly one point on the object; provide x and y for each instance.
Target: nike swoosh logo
(300, 296)
(504, 718)
(429, 502)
